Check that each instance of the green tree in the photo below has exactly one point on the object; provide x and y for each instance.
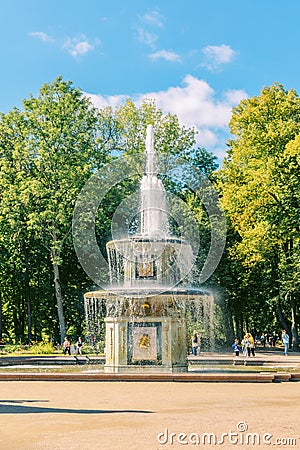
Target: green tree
(259, 183)
(48, 151)
(16, 244)
(62, 142)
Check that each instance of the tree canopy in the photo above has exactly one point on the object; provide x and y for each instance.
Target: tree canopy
(259, 185)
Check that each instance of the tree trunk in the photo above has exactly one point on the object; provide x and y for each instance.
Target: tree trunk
(236, 328)
(294, 327)
(288, 250)
(241, 325)
(229, 321)
(29, 330)
(0, 317)
(58, 294)
(248, 330)
(282, 320)
(27, 287)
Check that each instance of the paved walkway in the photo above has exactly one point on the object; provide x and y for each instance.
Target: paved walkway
(262, 356)
(141, 416)
(72, 415)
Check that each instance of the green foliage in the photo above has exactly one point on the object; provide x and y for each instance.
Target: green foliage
(259, 184)
(42, 348)
(9, 349)
(39, 348)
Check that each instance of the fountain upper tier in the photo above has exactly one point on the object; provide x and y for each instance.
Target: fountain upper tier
(152, 257)
(154, 215)
(144, 261)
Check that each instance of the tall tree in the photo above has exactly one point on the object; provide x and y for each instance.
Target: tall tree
(48, 150)
(62, 142)
(260, 188)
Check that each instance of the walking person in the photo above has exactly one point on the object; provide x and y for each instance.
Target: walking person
(196, 343)
(79, 346)
(236, 348)
(252, 344)
(285, 341)
(263, 340)
(67, 346)
(244, 348)
(247, 344)
(274, 339)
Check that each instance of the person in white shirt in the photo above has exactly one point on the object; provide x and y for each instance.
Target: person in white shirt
(285, 341)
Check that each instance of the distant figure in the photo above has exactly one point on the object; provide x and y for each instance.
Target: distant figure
(236, 347)
(196, 343)
(274, 339)
(285, 340)
(79, 346)
(244, 348)
(67, 347)
(263, 340)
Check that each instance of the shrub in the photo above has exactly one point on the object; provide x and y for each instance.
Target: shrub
(42, 348)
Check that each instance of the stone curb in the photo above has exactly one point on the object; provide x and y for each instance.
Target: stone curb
(295, 377)
(261, 360)
(158, 377)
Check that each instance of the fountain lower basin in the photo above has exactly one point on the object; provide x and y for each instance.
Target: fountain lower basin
(145, 331)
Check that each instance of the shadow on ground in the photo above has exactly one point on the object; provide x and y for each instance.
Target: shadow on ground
(15, 407)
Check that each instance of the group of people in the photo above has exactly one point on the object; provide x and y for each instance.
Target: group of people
(67, 346)
(270, 339)
(248, 344)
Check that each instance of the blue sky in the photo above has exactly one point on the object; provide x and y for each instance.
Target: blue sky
(196, 58)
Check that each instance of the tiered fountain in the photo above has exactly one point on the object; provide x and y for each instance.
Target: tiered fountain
(146, 301)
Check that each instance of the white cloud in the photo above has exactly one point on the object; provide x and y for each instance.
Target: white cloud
(234, 96)
(147, 22)
(78, 46)
(217, 55)
(101, 101)
(42, 36)
(154, 18)
(196, 105)
(147, 38)
(166, 55)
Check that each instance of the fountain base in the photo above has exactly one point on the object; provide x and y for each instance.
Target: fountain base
(145, 344)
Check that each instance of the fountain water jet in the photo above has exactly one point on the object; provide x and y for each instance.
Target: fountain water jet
(146, 301)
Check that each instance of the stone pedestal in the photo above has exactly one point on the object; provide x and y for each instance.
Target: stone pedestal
(145, 344)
